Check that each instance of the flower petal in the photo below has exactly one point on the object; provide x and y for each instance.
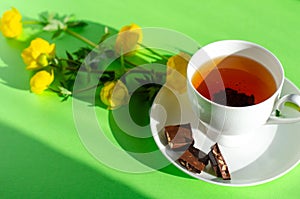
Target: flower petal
(10, 24)
(128, 39)
(41, 81)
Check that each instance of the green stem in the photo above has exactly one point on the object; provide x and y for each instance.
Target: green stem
(85, 89)
(152, 51)
(71, 68)
(84, 70)
(130, 63)
(32, 22)
(121, 71)
(61, 69)
(53, 90)
(78, 36)
(69, 60)
(104, 37)
(147, 55)
(122, 59)
(142, 71)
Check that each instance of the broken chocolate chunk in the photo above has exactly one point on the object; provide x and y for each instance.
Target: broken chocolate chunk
(202, 157)
(218, 163)
(179, 136)
(214, 164)
(231, 97)
(193, 159)
(190, 162)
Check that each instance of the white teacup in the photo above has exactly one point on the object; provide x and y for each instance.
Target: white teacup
(231, 121)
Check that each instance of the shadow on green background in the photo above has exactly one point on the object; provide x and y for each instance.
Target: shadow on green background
(142, 145)
(29, 169)
(13, 73)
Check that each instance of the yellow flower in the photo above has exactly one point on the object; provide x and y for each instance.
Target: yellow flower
(41, 81)
(176, 72)
(11, 24)
(38, 54)
(114, 94)
(128, 39)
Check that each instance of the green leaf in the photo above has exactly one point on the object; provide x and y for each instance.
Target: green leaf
(44, 17)
(69, 73)
(70, 57)
(82, 53)
(57, 33)
(75, 24)
(65, 98)
(105, 36)
(64, 91)
(54, 25)
(107, 76)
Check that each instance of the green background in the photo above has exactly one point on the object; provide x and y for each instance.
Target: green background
(41, 155)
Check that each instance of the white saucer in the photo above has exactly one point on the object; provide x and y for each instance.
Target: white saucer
(271, 152)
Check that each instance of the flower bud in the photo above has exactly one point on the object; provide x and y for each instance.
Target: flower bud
(42, 60)
(40, 81)
(128, 39)
(114, 94)
(176, 72)
(11, 24)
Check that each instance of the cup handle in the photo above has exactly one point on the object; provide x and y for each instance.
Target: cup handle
(277, 118)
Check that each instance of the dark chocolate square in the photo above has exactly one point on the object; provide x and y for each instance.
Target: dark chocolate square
(218, 163)
(192, 163)
(179, 136)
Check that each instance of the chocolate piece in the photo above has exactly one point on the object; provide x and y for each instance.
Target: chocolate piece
(214, 164)
(179, 136)
(231, 97)
(190, 162)
(218, 163)
(193, 159)
(202, 157)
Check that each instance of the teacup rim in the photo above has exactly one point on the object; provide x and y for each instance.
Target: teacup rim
(275, 94)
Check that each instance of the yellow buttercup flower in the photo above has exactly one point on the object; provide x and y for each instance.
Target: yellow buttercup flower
(38, 54)
(114, 94)
(11, 24)
(176, 72)
(128, 39)
(41, 81)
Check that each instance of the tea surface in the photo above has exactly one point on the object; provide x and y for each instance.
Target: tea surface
(234, 81)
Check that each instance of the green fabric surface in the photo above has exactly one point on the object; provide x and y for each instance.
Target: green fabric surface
(41, 153)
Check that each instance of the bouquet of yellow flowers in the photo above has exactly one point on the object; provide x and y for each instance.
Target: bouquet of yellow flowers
(107, 62)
